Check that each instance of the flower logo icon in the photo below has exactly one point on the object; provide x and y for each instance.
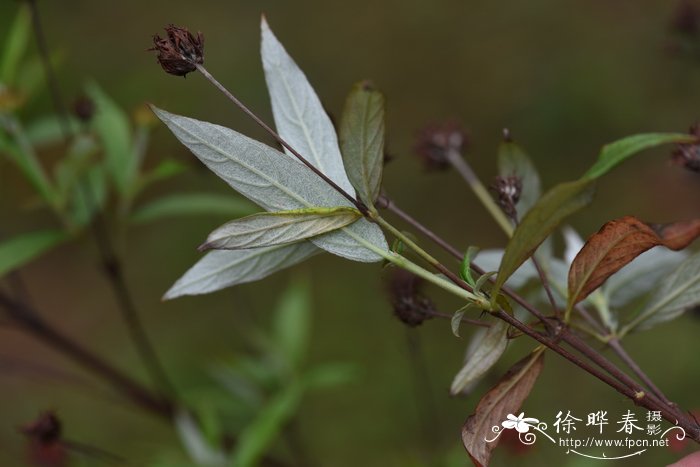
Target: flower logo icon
(520, 423)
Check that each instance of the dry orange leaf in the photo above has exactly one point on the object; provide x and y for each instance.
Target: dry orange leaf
(616, 244)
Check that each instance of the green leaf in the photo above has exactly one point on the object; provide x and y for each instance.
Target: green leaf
(465, 270)
(513, 161)
(163, 171)
(279, 228)
(330, 374)
(362, 140)
(112, 125)
(256, 438)
(48, 130)
(614, 153)
(192, 204)
(485, 349)
(15, 45)
(22, 249)
(223, 268)
(22, 154)
(679, 291)
(456, 320)
(299, 115)
(292, 322)
(553, 207)
(88, 195)
(195, 443)
(482, 280)
(274, 181)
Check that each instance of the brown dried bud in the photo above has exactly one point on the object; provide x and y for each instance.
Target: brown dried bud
(686, 18)
(45, 429)
(436, 141)
(180, 52)
(84, 108)
(507, 191)
(410, 306)
(688, 155)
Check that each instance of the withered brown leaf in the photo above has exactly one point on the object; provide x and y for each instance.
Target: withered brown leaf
(506, 397)
(616, 244)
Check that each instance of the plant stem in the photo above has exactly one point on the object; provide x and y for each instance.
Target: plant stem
(617, 347)
(29, 320)
(358, 204)
(111, 263)
(465, 170)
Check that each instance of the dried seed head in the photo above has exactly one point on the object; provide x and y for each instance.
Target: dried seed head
(435, 141)
(507, 190)
(180, 51)
(688, 155)
(686, 18)
(410, 306)
(84, 108)
(46, 429)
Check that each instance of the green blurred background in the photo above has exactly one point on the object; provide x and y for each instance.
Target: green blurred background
(564, 77)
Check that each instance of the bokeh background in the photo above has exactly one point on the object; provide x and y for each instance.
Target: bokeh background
(564, 77)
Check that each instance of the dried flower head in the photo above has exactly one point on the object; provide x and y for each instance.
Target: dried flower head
(686, 18)
(180, 52)
(507, 190)
(84, 108)
(436, 141)
(688, 155)
(45, 429)
(410, 306)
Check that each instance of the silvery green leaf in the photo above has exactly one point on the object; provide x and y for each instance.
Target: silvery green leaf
(279, 228)
(362, 140)
(489, 260)
(641, 275)
(485, 349)
(573, 242)
(676, 293)
(512, 160)
(195, 443)
(223, 268)
(273, 181)
(299, 116)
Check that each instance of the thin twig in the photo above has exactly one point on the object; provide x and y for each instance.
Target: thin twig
(358, 204)
(617, 347)
(28, 319)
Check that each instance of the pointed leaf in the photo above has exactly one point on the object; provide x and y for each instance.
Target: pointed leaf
(616, 244)
(255, 439)
(189, 204)
(299, 116)
(465, 268)
(273, 181)
(292, 323)
(488, 345)
(112, 125)
(279, 228)
(15, 45)
(362, 140)
(503, 399)
(220, 269)
(195, 442)
(614, 153)
(24, 248)
(641, 275)
(25, 158)
(512, 160)
(554, 206)
(678, 292)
